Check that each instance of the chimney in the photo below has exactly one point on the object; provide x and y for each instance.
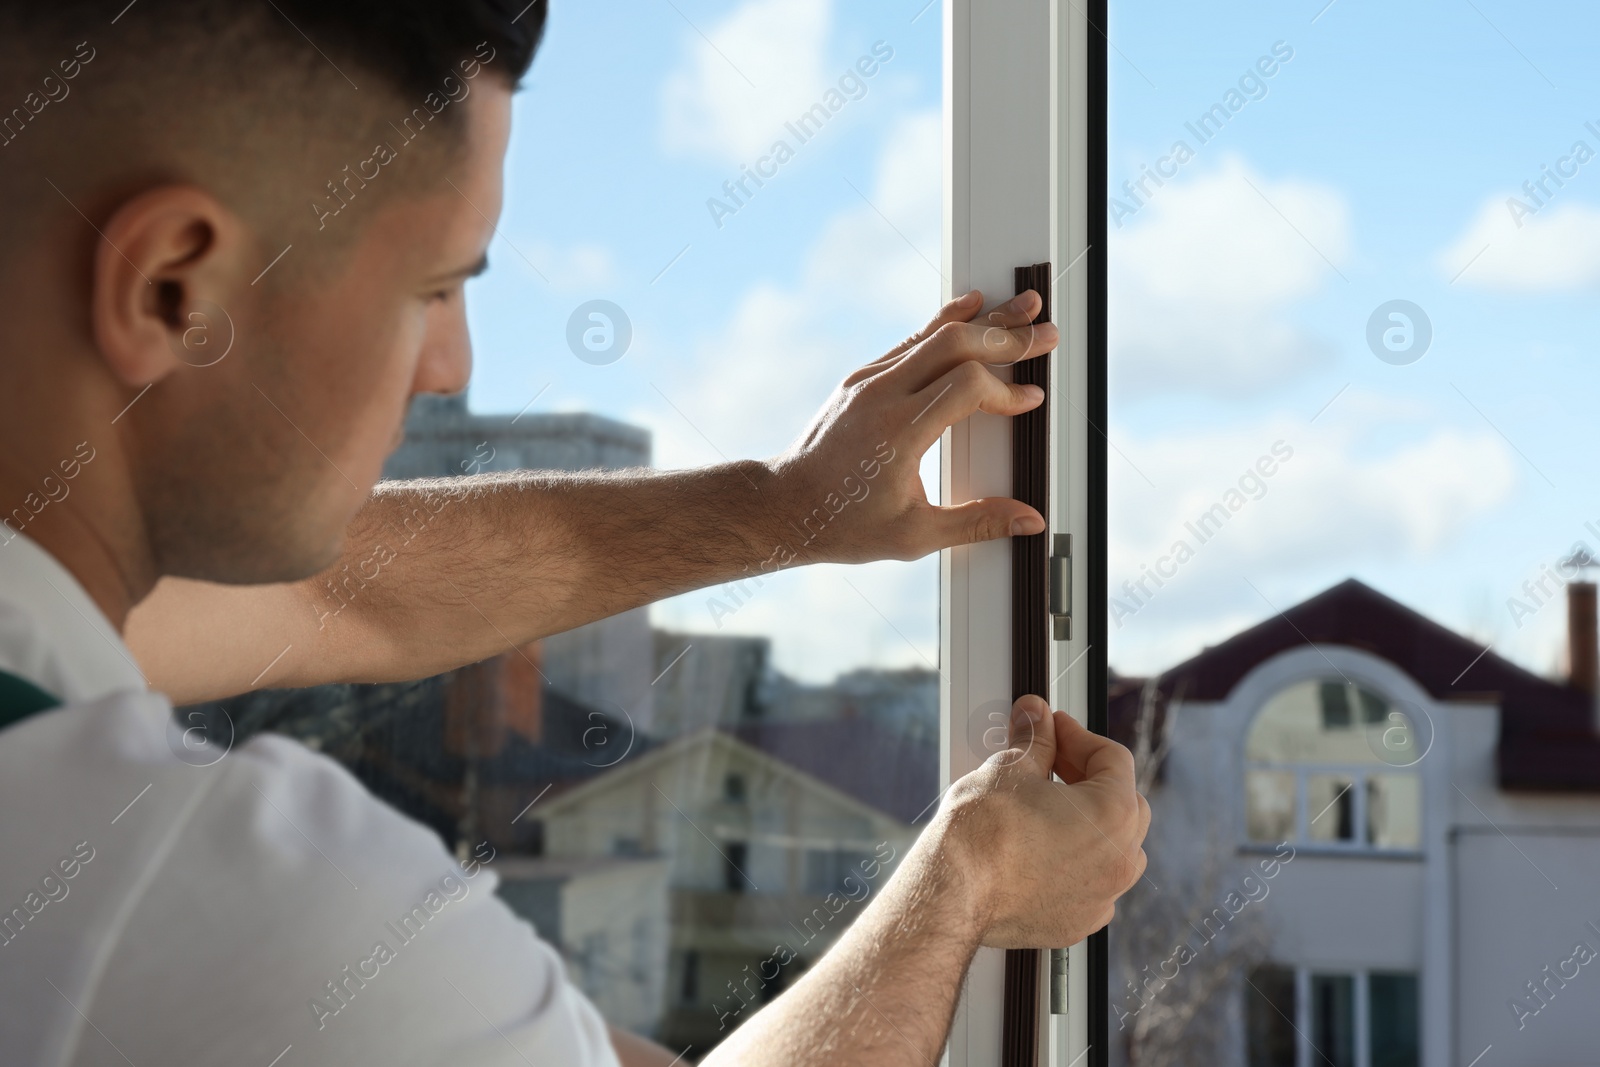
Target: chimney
(523, 691)
(1583, 638)
(486, 702)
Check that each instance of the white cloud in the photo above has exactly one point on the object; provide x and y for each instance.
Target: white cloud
(753, 71)
(754, 384)
(1339, 503)
(1556, 249)
(1202, 281)
(574, 268)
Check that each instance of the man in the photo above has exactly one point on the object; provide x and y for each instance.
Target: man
(235, 237)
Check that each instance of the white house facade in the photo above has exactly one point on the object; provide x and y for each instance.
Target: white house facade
(1416, 860)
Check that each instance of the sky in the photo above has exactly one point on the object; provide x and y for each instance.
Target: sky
(1372, 165)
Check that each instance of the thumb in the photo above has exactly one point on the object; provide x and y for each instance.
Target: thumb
(1032, 738)
(983, 520)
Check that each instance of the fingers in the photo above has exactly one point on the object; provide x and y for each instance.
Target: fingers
(961, 309)
(969, 342)
(1137, 864)
(965, 388)
(1014, 314)
(975, 521)
(1031, 742)
(1020, 310)
(1066, 728)
(1082, 755)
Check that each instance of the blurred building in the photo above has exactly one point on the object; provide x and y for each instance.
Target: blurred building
(716, 680)
(703, 681)
(665, 808)
(767, 862)
(607, 663)
(444, 439)
(1378, 845)
(609, 918)
(903, 701)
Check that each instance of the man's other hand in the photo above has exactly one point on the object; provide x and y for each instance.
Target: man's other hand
(1042, 862)
(850, 490)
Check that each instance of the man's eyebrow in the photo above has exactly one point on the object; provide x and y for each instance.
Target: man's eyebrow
(468, 272)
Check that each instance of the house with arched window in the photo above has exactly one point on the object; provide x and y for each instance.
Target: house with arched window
(1377, 844)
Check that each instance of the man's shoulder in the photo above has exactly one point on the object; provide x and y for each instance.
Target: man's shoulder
(126, 766)
(278, 899)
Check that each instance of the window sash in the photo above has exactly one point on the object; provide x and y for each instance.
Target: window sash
(1025, 107)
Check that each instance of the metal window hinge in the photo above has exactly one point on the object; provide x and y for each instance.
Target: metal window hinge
(1059, 958)
(1061, 587)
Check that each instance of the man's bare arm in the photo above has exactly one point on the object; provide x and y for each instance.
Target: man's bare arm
(441, 573)
(1013, 859)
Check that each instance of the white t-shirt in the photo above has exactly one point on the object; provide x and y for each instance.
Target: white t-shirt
(263, 910)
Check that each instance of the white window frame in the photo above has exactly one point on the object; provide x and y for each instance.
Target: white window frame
(1017, 188)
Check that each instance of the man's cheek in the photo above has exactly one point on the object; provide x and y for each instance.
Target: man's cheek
(367, 374)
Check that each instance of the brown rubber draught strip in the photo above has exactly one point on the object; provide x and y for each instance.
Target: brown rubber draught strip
(1030, 639)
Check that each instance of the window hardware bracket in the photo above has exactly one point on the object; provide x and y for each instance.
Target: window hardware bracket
(1061, 588)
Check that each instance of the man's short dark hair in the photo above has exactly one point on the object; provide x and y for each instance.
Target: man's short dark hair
(260, 101)
(409, 44)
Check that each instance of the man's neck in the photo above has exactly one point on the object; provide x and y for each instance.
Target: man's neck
(76, 520)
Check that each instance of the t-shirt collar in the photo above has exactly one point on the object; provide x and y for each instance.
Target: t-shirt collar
(52, 633)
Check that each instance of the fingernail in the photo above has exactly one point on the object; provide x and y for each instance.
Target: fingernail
(1027, 526)
(969, 299)
(1027, 712)
(1034, 391)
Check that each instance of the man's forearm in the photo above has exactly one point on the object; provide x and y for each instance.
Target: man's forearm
(436, 575)
(439, 573)
(884, 995)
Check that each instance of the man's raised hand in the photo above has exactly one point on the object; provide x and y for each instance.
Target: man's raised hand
(849, 489)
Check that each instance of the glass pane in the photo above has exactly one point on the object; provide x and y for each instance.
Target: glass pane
(1333, 1019)
(1335, 705)
(1351, 400)
(1326, 722)
(1270, 804)
(1330, 807)
(1394, 810)
(715, 212)
(1394, 1020)
(1269, 1017)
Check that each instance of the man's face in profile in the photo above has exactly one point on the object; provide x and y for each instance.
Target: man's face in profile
(300, 417)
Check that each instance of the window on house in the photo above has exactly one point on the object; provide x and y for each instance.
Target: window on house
(1333, 1018)
(733, 789)
(1322, 768)
(1270, 1039)
(736, 858)
(1338, 1019)
(827, 868)
(689, 978)
(593, 960)
(1395, 1020)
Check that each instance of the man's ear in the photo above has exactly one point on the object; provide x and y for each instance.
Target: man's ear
(166, 253)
